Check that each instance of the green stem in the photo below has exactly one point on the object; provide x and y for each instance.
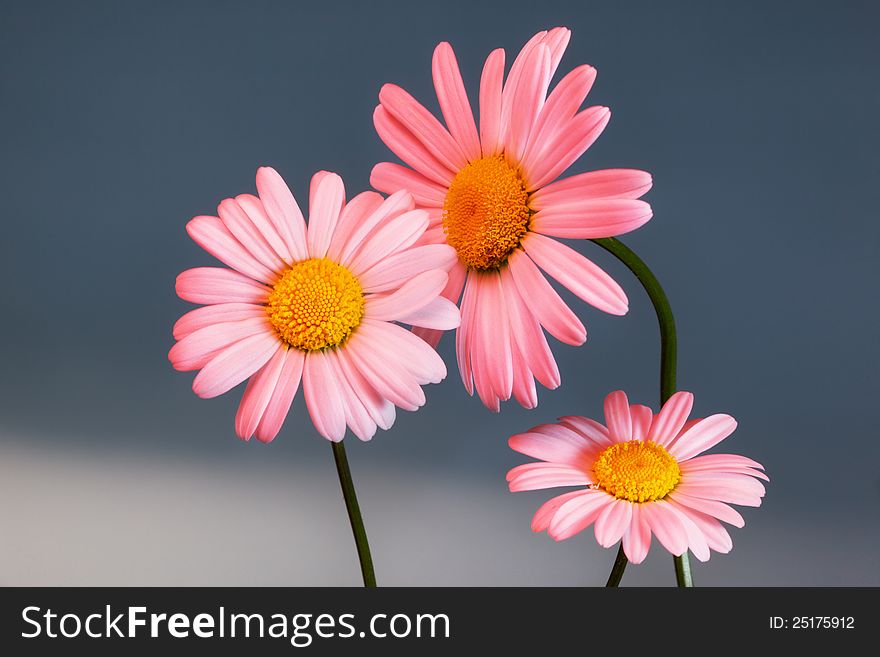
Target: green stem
(683, 571)
(354, 514)
(668, 355)
(618, 568)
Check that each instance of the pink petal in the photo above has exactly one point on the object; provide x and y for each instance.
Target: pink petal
(603, 184)
(388, 177)
(577, 514)
(713, 532)
(613, 522)
(413, 295)
(557, 40)
(666, 525)
(324, 209)
(671, 418)
(589, 429)
(257, 394)
(219, 313)
(357, 417)
(703, 435)
(480, 346)
(440, 314)
(743, 490)
(509, 91)
(393, 206)
(452, 291)
(570, 142)
(395, 270)
(195, 349)
(528, 336)
(549, 308)
(234, 364)
(380, 409)
(696, 540)
(637, 537)
(713, 508)
(554, 443)
(409, 149)
(453, 100)
(423, 125)
(641, 421)
(219, 285)
(462, 335)
(283, 212)
(210, 234)
(395, 343)
(534, 476)
(562, 104)
(490, 103)
(546, 511)
(745, 481)
(495, 331)
(285, 390)
(390, 378)
(524, 390)
(578, 274)
(240, 225)
(353, 214)
(724, 463)
(721, 461)
(256, 212)
(395, 235)
(527, 96)
(323, 396)
(617, 416)
(592, 218)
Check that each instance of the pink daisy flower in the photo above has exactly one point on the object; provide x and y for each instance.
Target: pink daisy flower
(642, 475)
(490, 193)
(316, 303)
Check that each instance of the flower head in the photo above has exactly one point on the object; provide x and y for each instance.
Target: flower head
(640, 475)
(316, 304)
(490, 194)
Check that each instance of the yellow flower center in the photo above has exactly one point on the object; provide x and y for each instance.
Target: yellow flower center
(638, 471)
(316, 304)
(486, 213)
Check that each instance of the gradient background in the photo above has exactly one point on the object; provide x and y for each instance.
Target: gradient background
(120, 121)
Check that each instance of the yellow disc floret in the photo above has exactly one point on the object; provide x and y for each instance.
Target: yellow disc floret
(486, 213)
(315, 304)
(638, 471)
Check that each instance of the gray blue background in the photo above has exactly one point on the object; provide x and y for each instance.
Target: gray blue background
(120, 121)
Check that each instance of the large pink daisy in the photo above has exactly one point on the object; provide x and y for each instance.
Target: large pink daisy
(316, 303)
(490, 193)
(642, 476)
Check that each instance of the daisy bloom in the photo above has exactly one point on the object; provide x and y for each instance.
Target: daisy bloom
(317, 304)
(641, 475)
(490, 193)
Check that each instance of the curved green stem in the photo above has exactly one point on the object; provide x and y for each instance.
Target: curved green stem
(668, 356)
(354, 514)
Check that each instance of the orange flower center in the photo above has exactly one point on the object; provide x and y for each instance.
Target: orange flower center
(638, 471)
(486, 213)
(315, 304)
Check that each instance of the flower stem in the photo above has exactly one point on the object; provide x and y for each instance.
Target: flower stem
(668, 356)
(354, 514)
(618, 568)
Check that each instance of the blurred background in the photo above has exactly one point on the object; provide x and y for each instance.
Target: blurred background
(120, 121)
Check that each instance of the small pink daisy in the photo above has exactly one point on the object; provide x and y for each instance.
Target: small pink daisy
(490, 194)
(317, 303)
(642, 476)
